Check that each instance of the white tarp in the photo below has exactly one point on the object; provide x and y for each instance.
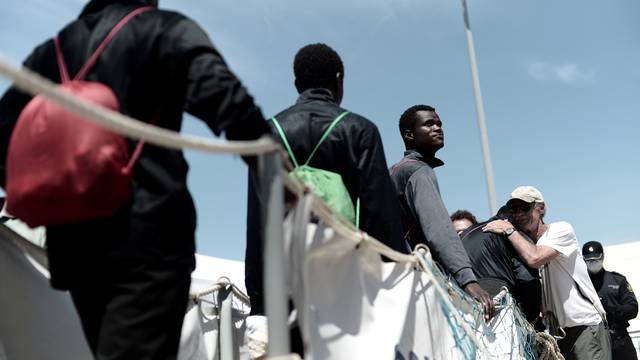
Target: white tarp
(351, 305)
(201, 327)
(357, 307)
(36, 322)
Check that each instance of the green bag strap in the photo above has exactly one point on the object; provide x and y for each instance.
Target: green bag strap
(284, 140)
(358, 213)
(325, 135)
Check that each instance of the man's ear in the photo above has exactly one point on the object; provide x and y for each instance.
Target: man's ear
(407, 135)
(542, 208)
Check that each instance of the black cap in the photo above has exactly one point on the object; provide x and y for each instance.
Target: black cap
(592, 251)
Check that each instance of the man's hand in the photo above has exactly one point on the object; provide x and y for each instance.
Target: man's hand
(483, 297)
(497, 227)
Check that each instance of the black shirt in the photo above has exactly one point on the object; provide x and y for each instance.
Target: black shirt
(493, 257)
(354, 150)
(617, 298)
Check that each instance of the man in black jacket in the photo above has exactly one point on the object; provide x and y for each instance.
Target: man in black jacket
(129, 274)
(617, 298)
(353, 150)
(496, 264)
(424, 215)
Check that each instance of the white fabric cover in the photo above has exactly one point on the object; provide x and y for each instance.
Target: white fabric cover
(36, 322)
(351, 305)
(200, 330)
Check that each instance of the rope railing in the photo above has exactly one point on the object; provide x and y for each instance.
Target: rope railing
(344, 228)
(221, 284)
(34, 84)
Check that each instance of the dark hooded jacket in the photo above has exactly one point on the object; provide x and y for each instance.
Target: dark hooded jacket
(496, 263)
(425, 217)
(353, 150)
(161, 61)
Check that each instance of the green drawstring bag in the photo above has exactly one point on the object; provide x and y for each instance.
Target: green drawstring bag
(325, 184)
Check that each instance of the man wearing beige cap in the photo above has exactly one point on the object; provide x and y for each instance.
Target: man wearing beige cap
(568, 294)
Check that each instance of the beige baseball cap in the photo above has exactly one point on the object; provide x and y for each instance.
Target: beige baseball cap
(527, 194)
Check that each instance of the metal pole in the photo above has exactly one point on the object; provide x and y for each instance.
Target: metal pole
(226, 344)
(484, 138)
(275, 290)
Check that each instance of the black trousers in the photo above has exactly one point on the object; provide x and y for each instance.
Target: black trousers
(134, 310)
(623, 348)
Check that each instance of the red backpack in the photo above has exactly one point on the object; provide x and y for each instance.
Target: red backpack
(62, 168)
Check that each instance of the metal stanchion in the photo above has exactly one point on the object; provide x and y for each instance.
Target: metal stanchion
(226, 345)
(482, 124)
(275, 290)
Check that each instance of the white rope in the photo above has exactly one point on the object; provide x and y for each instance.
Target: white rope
(34, 84)
(343, 227)
(221, 284)
(498, 298)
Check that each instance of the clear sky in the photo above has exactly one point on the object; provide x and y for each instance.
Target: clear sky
(560, 80)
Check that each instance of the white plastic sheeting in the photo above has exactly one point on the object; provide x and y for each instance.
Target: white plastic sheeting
(201, 329)
(352, 305)
(36, 322)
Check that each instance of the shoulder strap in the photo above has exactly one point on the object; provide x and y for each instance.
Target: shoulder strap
(96, 54)
(585, 297)
(285, 141)
(325, 135)
(62, 67)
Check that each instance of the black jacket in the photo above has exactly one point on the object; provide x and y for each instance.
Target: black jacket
(353, 150)
(617, 298)
(160, 61)
(425, 218)
(493, 257)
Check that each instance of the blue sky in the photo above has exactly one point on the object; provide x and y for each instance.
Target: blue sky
(560, 81)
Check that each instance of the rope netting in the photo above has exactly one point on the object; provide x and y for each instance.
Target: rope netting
(508, 335)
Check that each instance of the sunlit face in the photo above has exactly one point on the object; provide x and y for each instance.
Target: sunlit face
(461, 225)
(526, 216)
(427, 135)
